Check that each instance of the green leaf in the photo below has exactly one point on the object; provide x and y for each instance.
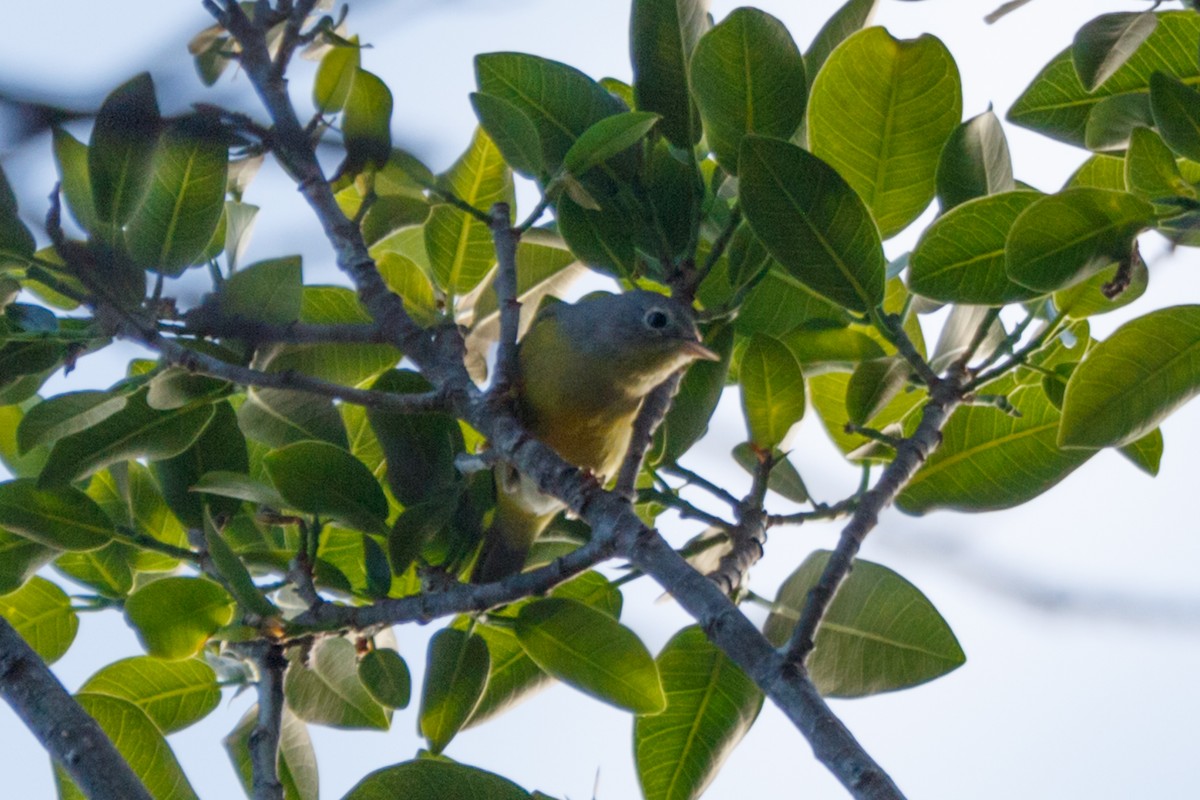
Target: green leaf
(173, 694)
(960, 258)
(1103, 45)
(772, 390)
(221, 448)
(335, 77)
(748, 78)
(1113, 120)
(852, 17)
(108, 570)
(512, 131)
(186, 198)
(297, 759)
(386, 677)
(41, 612)
(367, 124)
(812, 222)
(174, 617)
(459, 245)
(1099, 172)
(20, 558)
(1057, 104)
(711, 705)
(136, 431)
(1145, 453)
(407, 279)
(784, 480)
(122, 149)
(606, 138)
(319, 478)
(559, 100)
(1151, 170)
(430, 779)
(974, 162)
(71, 157)
(880, 633)
(456, 672)
(278, 417)
(879, 113)
(873, 385)
(1133, 380)
(65, 414)
(62, 517)
(419, 448)
(1064, 238)
(130, 497)
(591, 651)
(143, 747)
(699, 392)
(990, 460)
(327, 691)
(1176, 109)
(601, 239)
(15, 239)
(1087, 298)
(240, 487)
(662, 36)
(267, 291)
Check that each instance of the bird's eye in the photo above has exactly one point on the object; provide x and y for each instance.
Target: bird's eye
(657, 318)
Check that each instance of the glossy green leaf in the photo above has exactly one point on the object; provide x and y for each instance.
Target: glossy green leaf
(1145, 453)
(430, 779)
(220, 448)
(960, 258)
(136, 431)
(662, 36)
(139, 741)
(989, 460)
(853, 16)
(122, 149)
(460, 246)
(711, 705)
(131, 498)
(297, 760)
(176, 387)
(1064, 238)
(278, 417)
(1176, 109)
(812, 222)
(386, 677)
(335, 77)
(1087, 298)
(267, 291)
(41, 612)
(419, 448)
(454, 680)
(559, 100)
(319, 478)
(65, 414)
(1057, 104)
(108, 570)
(606, 138)
(591, 651)
(240, 487)
(174, 617)
(772, 391)
(20, 558)
(879, 114)
(327, 690)
(880, 633)
(61, 517)
(1133, 380)
(366, 123)
(71, 157)
(747, 78)
(185, 200)
(512, 131)
(601, 239)
(975, 162)
(1107, 42)
(173, 694)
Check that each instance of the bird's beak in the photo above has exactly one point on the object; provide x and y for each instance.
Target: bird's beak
(698, 351)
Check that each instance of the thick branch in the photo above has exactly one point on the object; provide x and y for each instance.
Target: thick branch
(74, 740)
(264, 739)
(911, 453)
(506, 238)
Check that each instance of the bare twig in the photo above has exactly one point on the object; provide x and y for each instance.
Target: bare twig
(696, 479)
(505, 239)
(749, 536)
(74, 740)
(654, 409)
(820, 511)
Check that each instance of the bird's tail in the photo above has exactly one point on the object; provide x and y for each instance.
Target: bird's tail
(508, 539)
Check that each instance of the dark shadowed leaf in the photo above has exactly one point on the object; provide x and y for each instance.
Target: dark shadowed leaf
(366, 123)
(386, 677)
(1176, 109)
(267, 291)
(454, 679)
(122, 149)
(852, 17)
(662, 36)
(430, 779)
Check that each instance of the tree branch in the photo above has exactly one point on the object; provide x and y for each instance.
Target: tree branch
(505, 239)
(74, 740)
(264, 739)
(654, 409)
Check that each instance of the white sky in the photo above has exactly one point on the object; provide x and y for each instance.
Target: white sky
(1079, 612)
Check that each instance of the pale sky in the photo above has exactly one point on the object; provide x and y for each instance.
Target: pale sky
(1079, 612)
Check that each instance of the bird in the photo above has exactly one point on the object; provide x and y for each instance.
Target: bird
(584, 370)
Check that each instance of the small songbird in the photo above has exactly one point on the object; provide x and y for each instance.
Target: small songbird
(585, 369)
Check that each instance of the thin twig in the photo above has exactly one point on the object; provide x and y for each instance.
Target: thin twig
(702, 482)
(892, 328)
(654, 409)
(819, 512)
(505, 239)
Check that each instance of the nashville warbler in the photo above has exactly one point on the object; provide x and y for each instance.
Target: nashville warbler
(585, 369)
